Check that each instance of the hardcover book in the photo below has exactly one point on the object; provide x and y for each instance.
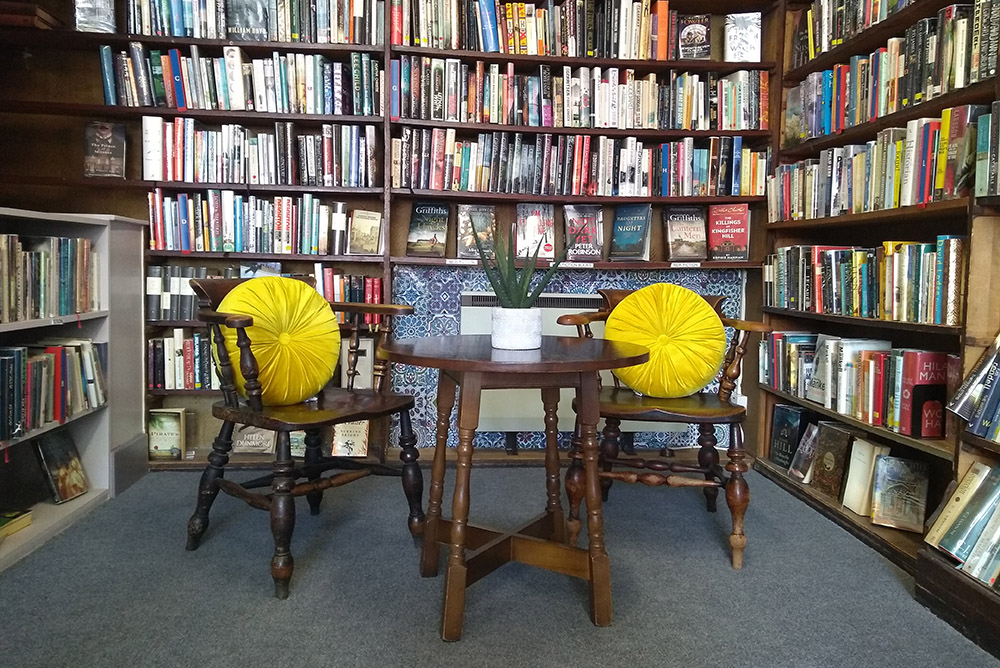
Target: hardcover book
(729, 232)
(61, 464)
(899, 493)
(584, 232)
(13, 520)
(694, 34)
(961, 537)
(801, 467)
(956, 503)
(104, 150)
(534, 229)
(787, 426)
(428, 229)
(924, 386)
(365, 234)
(630, 232)
(860, 476)
(684, 232)
(741, 37)
(478, 220)
(248, 439)
(247, 20)
(833, 443)
(166, 430)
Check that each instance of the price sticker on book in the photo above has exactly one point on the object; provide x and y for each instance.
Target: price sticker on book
(685, 265)
(577, 265)
(460, 262)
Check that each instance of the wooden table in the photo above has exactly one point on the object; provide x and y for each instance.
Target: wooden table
(471, 364)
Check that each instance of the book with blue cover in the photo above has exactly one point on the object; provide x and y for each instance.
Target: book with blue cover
(630, 232)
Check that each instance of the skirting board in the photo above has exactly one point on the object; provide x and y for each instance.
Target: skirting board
(129, 462)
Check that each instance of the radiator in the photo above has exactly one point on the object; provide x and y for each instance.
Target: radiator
(521, 410)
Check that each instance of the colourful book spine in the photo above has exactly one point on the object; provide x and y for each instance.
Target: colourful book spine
(175, 68)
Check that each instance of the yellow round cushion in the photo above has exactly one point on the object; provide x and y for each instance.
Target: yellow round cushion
(685, 337)
(295, 337)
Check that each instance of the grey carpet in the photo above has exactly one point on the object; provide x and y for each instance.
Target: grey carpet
(118, 589)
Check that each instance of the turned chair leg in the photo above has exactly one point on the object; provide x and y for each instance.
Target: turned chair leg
(413, 478)
(314, 454)
(208, 488)
(708, 459)
(737, 493)
(610, 440)
(574, 488)
(282, 515)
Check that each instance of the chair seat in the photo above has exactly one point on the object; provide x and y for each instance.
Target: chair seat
(624, 404)
(331, 406)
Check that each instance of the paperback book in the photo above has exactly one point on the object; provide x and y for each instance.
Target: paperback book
(364, 236)
(741, 37)
(694, 33)
(899, 493)
(428, 229)
(61, 464)
(166, 430)
(584, 232)
(630, 232)
(684, 232)
(104, 150)
(729, 232)
(475, 220)
(534, 229)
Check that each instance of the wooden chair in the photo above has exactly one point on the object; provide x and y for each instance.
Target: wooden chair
(705, 409)
(290, 478)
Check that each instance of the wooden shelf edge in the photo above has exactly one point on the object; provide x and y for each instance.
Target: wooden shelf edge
(874, 323)
(56, 321)
(571, 265)
(899, 546)
(980, 442)
(570, 199)
(181, 393)
(903, 214)
(279, 257)
(937, 447)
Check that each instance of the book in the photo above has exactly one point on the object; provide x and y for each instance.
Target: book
(22, 481)
(534, 230)
(61, 464)
(858, 482)
(104, 150)
(899, 493)
(741, 37)
(428, 233)
(833, 443)
(694, 36)
(956, 503)
(365, 234)
(257, 269)
(684, 232)
(788, 423)
(924, 389)
(961, 537)
(630, 232)
(474, 219)
(805, 454)
(729, 232)
(350, 439)
(983, 560)
(94, 15)
(166, 430)
(247, 20)
(248, 439)
(584, 232)
(12, 521)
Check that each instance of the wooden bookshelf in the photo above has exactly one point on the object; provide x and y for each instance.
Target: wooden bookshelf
(873, 323)
(935, 212)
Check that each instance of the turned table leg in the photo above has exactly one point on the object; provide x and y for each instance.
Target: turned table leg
(445, 404)
(600, 567)
(553, 489)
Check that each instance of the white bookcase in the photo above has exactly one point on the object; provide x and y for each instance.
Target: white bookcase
(110, 438)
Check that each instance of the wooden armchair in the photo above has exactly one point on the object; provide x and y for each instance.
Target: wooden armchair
(706, 409)
(291, 478)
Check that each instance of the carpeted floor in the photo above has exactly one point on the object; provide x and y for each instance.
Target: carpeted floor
(118, 589)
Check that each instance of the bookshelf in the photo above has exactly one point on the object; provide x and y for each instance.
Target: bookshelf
(109, 437)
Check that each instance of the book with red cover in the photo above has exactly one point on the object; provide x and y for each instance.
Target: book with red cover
(188, 364)
(877, 416)
(729, 232)
(923, 395)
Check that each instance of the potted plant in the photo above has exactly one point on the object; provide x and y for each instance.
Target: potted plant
(516, 324)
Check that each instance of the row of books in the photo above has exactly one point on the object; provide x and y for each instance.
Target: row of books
(647, 30)
(546, 164)
(233, 222)
(326, 22)
(901, 389)
(933, 59)
(181, 150)
(45, 277)
(829, 23)
(49, 381)
(846, 466)
(169, 295)
(447, 89)
(903, 281)
(931, 159)
(967, 528)
(182, 361)
(298, 83)
(977, 400)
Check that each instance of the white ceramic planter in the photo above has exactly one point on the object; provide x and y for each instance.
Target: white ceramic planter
(517, 328)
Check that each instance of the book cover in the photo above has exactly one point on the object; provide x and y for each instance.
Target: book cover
(12, 521)
(694, 37)
(584, 232)
(922, 400)
(22, 481)
(741, 37)
(833, 443)
(961, 537)
(350, 439)
(630, 232)
(247, 20)
(729, 232)
(534, 229)
(956, 503)
(248, 439)
(801, 467)
(61, 464)
(475, 220)
(787, 426)
(166, 430)
(860, 476)
(684, 232)
(365, 233)
(899, 493)
(104, 150)
(428, 229)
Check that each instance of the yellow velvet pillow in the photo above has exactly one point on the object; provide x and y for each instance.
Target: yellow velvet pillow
(685, 337)
(295, 337)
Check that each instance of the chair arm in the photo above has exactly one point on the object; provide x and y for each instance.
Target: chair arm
(234, 320)
(376, 309)
(580, 319)
(747, 325)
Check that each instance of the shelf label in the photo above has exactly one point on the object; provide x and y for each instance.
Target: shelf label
(577, 265)
(685, 265)
(460, 262)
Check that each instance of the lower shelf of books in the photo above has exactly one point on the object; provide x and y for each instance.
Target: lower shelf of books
(898, 546)
(47, 520)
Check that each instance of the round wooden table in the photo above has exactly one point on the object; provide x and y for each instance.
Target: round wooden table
(471, 364)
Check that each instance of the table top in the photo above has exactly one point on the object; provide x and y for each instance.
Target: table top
(473, 352)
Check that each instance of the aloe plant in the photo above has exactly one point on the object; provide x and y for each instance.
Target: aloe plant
(512, 286)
